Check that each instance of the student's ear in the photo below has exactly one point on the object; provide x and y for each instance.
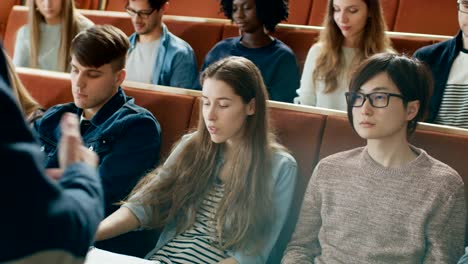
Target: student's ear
(165, 7)
(251, 107)
(120, 77)
(412, 109)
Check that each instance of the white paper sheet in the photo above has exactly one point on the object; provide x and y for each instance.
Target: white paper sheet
(99, 256)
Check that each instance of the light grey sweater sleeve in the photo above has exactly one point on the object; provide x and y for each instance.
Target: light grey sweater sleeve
(446, 230)
(304, 244)
(21, 54)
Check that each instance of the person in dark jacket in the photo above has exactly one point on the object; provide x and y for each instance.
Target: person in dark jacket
(43, 220)
(448, 62)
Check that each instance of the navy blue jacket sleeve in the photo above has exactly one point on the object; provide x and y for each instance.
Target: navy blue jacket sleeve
(129, 160)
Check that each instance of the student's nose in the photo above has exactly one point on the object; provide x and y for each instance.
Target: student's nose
(239, 13)
(137, 18)
(211, 113)
(343, 17)
(80, 81)
(367, 108)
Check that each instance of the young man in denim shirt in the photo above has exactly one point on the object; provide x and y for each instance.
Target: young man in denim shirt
(125, 136)
(156, 55)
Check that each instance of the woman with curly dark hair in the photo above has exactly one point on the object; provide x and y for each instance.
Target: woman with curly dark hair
(276, 61)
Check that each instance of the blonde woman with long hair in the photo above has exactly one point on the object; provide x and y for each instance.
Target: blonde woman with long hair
(353, 31)
(224, 193)
(31, 108)
(45, 41)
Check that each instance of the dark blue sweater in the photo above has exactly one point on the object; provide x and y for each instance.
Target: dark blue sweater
(276, 62)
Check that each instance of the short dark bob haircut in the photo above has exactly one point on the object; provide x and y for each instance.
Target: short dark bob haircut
(269, 12)
(410, 76)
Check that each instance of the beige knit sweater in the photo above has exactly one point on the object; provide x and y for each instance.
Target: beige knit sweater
(357, 211)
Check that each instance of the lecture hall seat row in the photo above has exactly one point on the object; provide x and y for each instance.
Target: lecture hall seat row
(438, 17)
(203, 33)
(310, 133)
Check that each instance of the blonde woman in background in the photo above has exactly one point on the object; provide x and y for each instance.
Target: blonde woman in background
(45, 41)
(354, 30)
(31, 108)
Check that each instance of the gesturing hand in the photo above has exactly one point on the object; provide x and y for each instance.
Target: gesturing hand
(71, 149)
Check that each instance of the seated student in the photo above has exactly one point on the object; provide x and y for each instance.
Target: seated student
(387, 202)
(45, 41)
(156, 55)
(45, 221)
(233, 182)
(448, 61)
(125, 136)
(354, 30)
(31, 108)
(276, 61)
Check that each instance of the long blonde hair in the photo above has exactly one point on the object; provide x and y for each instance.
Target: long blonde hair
(330, 62)
(245, 213)
(71, 22)
(28, 104)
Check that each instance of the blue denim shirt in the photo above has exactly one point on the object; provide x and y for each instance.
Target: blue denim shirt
(175, 63)
(125, 136)
(284, 173)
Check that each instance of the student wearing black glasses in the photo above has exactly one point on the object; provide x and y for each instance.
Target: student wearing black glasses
(387, 202)
(156, 55)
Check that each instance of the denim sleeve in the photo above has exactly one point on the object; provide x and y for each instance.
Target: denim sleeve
(284, 174)
(143, 213)
(134, 153)
(184, 70)
(464, 258)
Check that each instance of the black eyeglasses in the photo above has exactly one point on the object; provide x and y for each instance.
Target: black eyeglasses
(377, 99)
(141, 13)
(463, 6)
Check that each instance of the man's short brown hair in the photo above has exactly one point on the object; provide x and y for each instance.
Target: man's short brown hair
(99, 45)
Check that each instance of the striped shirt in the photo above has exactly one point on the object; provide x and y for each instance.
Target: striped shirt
(198, 244)
(453, 109)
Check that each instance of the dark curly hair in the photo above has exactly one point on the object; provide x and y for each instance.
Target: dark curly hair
(269, 12)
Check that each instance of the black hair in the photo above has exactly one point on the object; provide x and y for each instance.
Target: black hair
(156, 4)
(410, 76)
(269, 12)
